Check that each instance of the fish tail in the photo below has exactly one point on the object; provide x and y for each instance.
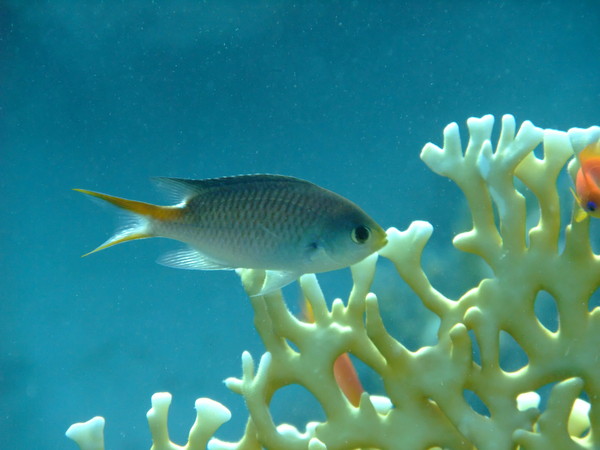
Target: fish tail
(143, 212)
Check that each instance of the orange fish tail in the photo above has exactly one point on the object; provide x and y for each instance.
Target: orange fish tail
(307, 311)
(347, 378)
(141, 229)
(344, 371)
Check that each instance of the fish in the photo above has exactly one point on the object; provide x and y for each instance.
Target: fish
(587, 183)
(283, 225)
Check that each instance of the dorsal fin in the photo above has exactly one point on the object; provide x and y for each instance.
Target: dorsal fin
(183, 188)
(590, 152)
(179, 188)
(589, 161)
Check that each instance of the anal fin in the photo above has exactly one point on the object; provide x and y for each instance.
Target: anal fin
(191, 259)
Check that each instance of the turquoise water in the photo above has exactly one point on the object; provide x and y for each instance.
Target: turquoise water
(105, 95)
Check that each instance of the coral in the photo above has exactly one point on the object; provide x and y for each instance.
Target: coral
(424, 404)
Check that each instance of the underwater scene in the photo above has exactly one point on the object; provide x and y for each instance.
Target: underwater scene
(467, 315)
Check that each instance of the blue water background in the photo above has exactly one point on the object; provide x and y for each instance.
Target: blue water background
(105, 95)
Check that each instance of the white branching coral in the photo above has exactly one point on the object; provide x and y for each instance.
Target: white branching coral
(424, 404)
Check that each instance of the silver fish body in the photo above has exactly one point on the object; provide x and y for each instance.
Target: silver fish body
(284, 225)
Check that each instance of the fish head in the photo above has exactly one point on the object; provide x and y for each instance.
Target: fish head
(587, 182)
(587, 189)
(346, 241)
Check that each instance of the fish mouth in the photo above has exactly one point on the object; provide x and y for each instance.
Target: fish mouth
(383, 243)
(383, 240)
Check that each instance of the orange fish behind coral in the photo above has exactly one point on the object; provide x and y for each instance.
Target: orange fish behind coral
(587, 183)
(343, 369)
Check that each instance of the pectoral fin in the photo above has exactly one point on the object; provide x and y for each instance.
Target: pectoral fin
(580, 214)
(271, 280)
(276, 279)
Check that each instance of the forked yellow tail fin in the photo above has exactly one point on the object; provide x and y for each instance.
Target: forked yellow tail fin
(143, 211)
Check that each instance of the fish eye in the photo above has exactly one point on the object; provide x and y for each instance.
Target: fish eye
(360, 234)
(591, 206)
